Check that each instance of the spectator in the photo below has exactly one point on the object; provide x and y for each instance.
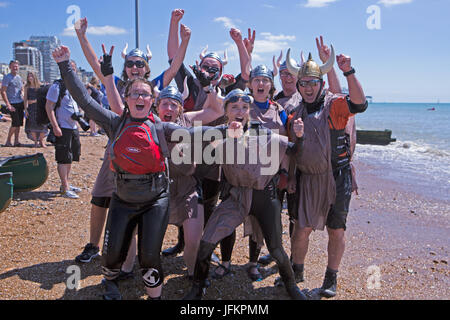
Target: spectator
(12, 94)
(93, 88)
(33, 129)
(67, 146)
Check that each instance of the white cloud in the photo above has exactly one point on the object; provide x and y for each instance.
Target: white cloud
(389, 3)
(4, 4)
(271, 43)
(227, 22)
(97, 31)
(3, 25)
(318, 3)
(268, 6)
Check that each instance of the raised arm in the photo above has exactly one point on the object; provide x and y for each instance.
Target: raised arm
(324, 54)
(81, 27)
(79, 92)
(212, 109)
(173, 41)
(177, 61)
(244, 56)
(107, 70)
(356, 92)
(249, 44)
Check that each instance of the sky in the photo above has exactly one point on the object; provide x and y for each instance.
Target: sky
(399, 48)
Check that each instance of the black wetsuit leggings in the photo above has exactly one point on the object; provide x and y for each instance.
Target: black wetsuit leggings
(210, 197)
(266, 208)
(151, 219)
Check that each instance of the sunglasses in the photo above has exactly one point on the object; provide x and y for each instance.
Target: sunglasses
(244, 98)
(210, 69)
(136, 95)
(310, 83)
(139, 64)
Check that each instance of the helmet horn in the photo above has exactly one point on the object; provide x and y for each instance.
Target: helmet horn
(185, 90)
(291, 64)
(149, 53)
(203, 53)
(124, 51)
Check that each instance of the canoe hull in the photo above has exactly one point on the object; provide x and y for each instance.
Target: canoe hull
(6, 190)
(29, 172)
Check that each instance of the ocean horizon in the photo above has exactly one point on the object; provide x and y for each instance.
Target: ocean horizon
(420, 158)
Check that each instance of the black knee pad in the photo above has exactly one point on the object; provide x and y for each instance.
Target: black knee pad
(152, 277)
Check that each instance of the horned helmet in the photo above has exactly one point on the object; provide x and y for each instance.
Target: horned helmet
(137, 53)
(309, 68)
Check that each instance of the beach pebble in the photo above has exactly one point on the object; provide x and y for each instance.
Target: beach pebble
(435, 261)
(444, 261)
(432, 253)
(406, 145)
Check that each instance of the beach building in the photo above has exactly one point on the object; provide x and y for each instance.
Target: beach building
(29, 56)
(45, 44)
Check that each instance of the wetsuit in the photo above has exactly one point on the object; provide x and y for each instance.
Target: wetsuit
(251, 194)
(140, 200)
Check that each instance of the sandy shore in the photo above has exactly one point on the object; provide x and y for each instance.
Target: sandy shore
(397, 244)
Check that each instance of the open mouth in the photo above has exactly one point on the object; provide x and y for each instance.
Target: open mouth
(135, 74)
(140, 107)
(239, 119)
(167, 118)
(260, 90)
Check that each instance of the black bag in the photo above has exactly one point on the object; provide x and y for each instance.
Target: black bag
(42, 117)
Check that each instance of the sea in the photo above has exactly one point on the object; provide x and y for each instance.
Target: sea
(420, 158)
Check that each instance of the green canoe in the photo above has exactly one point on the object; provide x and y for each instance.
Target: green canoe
(29, 172)
(6, 190)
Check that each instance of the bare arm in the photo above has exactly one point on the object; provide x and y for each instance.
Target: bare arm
(114, 98)
(244, 56)
(178, 59)
(50, 108)
(89, 52)
(173, 41)
(212, 109)
(5, 98)
(355, 89)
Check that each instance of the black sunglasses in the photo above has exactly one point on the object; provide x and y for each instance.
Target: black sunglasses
(139, 64)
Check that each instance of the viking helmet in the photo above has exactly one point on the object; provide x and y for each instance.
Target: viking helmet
(172, 92)
(261, 71)
(310, 68)
(137, 53)
(204, 54)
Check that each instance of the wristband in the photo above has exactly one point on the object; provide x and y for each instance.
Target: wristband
(348, 73)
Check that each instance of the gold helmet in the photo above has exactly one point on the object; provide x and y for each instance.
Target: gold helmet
(309, 68)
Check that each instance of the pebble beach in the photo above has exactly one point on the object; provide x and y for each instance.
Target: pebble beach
(397, 243)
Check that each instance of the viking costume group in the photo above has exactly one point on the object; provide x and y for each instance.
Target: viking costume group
(144, 187)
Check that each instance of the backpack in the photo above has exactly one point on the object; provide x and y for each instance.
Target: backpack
(139, 148)
(42, 117)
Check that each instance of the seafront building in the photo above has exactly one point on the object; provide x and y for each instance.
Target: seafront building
(30, 59)
(47, 67)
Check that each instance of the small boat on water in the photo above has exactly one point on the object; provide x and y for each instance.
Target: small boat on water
(375, 137)
(28, 172)
(6, 190)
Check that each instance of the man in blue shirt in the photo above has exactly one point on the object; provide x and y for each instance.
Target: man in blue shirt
(60, 107)
(12, 94)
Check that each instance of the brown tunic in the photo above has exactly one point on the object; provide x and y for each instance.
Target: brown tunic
(291, 102)
(244, 178)
(183, 188)
(317, 187)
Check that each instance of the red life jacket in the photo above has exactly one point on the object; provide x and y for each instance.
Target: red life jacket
(136, 150)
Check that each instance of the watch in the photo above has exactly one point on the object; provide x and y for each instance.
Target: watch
(352, 71)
